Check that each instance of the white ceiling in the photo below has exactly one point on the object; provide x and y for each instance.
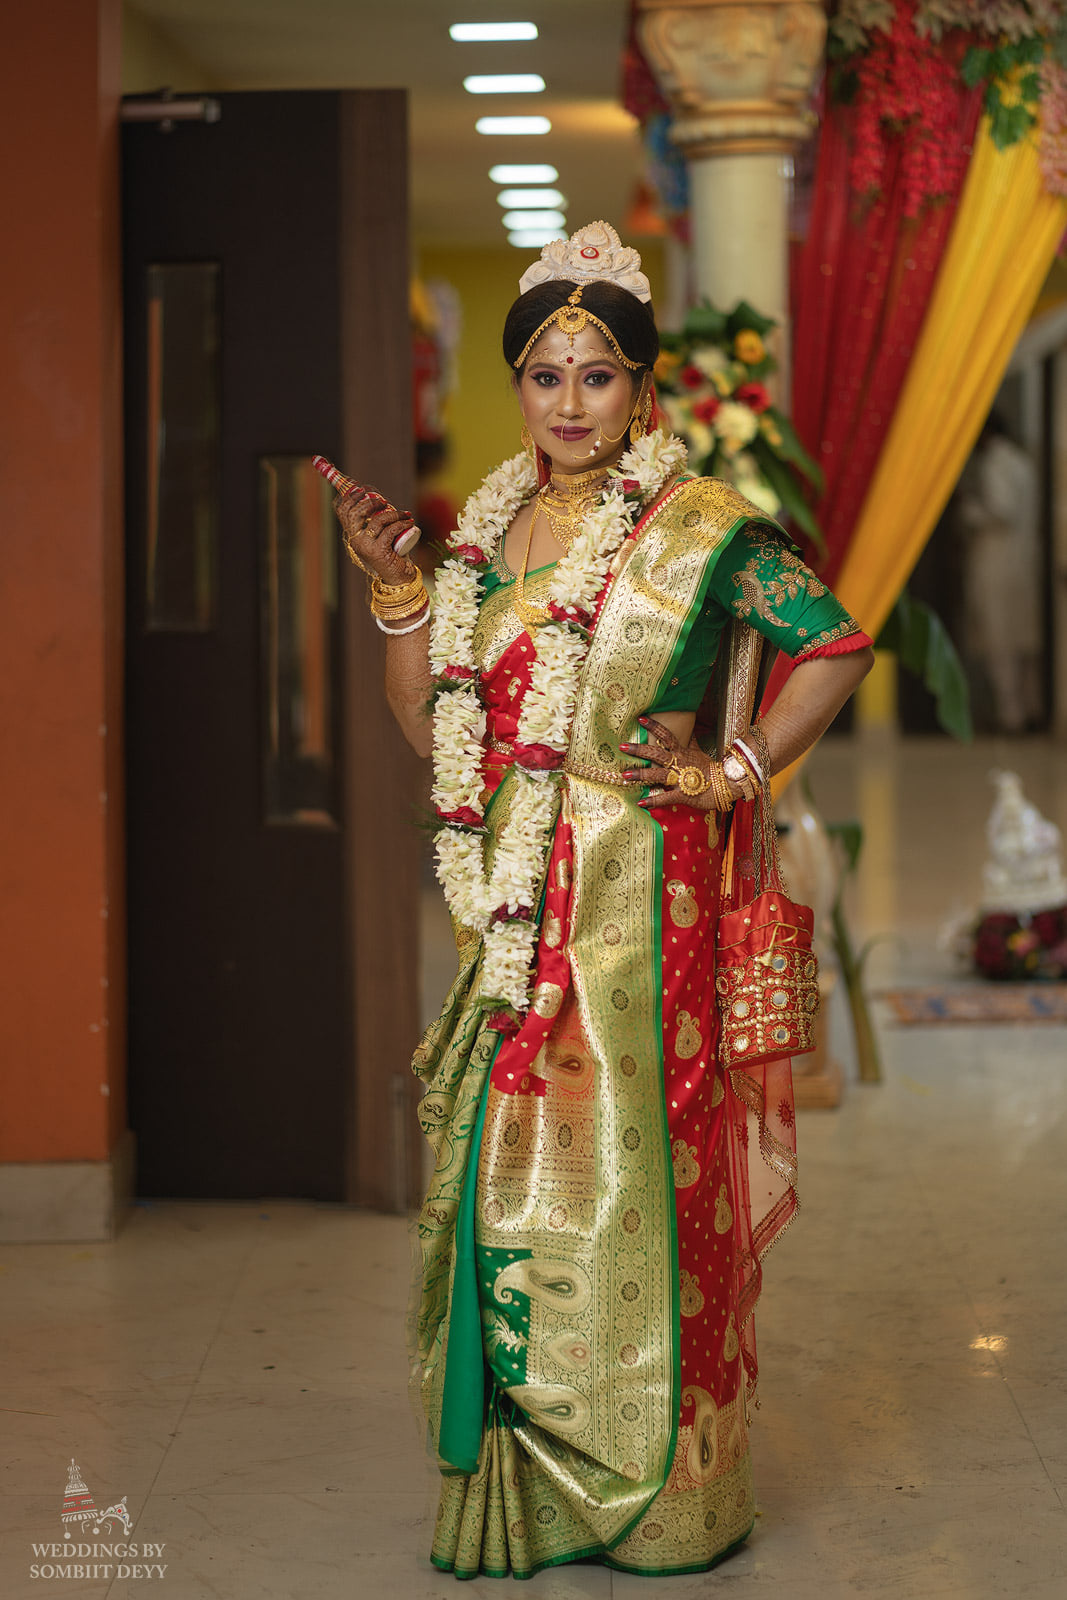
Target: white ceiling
(299, 44)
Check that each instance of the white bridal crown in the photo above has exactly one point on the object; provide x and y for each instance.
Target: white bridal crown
(591, 255)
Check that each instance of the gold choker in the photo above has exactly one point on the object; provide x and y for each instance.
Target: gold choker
(566, 507)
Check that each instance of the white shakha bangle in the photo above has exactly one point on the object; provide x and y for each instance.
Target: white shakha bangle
(411, 627)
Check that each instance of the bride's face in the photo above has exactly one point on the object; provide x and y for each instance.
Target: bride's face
(575, 396)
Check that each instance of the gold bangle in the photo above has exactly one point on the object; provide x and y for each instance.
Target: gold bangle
(400, 613)
(388, 600)
(721, 792)
(386, 597)
(395, 590)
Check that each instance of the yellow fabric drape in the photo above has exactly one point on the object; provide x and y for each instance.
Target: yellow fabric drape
(999, 253)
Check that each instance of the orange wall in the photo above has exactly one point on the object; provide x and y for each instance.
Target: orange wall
(62, 960)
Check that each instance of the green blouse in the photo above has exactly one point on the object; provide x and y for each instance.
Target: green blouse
(758, 578)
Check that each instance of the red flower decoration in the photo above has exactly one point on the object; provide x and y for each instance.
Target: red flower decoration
(630, 488)
(704, 410)
(502, 914)
(753, 395)
(692, 377)
(454, 674)
(574, 614)
(503, 1021)
(539, 757)
(471, 554)
(906, 107)
(465, 817)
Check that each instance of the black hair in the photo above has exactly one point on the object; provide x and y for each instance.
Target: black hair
(630, 319)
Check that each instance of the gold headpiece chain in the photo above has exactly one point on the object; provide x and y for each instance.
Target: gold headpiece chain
(571, 318)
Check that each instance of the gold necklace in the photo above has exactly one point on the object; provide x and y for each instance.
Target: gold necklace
(530, 616)
(566, 505)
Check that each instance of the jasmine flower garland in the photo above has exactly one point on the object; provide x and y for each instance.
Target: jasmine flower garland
(501, 905)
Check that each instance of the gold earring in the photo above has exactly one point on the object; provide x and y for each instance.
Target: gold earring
(526, 440)
(641, 417)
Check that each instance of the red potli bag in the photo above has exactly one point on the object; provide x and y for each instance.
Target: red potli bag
(767, 975)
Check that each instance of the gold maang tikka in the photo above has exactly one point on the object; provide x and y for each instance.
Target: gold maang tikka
(571, 318)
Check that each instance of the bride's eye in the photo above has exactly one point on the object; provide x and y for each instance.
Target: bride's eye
(599, 379)
(545, 380)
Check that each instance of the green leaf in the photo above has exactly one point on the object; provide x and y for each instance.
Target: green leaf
(744, 316)
(918, 636)
(785, 486)
(1030, 52)
(851, 836)
(704, 324)
(1009, 124)
(1030, 88)
(792, 450)
(976, 66)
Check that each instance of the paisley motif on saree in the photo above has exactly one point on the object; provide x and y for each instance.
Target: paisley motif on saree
(578, 1333)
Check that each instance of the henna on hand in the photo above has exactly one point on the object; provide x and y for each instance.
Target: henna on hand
(664, 756)
(371, 527)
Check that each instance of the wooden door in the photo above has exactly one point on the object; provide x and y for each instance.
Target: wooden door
(273, 869)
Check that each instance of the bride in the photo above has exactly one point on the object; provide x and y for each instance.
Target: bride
(604, 1188)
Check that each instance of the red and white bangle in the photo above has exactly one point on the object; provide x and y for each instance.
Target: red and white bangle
(411, 627)
(748, 759)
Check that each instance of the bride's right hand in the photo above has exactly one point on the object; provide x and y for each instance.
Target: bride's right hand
(371, 527)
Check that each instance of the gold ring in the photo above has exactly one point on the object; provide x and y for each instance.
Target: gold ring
(692, 781)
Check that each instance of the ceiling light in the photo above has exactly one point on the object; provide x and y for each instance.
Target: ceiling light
(472, 32)
(513, 125)
(529, 174)
(504, 83)
(532, 238)
(530, 198)
(533, 219)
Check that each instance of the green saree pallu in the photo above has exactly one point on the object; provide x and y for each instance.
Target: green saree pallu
(591, 1237)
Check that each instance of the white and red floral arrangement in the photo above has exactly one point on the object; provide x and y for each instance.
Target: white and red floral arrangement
(501, 905)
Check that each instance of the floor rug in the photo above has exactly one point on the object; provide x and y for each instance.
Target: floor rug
(976, 1003)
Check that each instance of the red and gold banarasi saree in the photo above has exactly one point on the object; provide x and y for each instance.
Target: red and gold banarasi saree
(603, 1190)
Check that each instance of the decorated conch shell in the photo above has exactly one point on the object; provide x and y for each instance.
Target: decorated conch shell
(592, 254)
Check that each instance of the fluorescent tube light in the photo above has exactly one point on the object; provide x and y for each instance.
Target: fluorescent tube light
(513, 125)
(528, 174)
(533, 238)
(504, 83)
(474, 32)
(533, 219)
(530, 199)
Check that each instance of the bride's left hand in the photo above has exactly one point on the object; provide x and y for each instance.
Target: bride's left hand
(664, 759)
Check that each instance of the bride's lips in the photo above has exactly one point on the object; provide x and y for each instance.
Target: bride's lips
(569, 433)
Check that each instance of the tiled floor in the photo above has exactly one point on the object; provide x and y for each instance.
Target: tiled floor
(238, 1372)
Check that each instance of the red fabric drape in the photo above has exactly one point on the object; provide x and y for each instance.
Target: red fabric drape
(862, 282)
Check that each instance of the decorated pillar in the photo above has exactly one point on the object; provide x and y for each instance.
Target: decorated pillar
(738, 77)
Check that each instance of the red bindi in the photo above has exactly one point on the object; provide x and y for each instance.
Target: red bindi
(570, 361)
